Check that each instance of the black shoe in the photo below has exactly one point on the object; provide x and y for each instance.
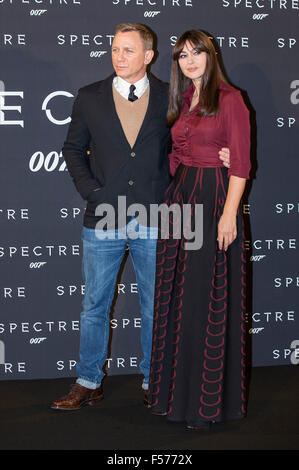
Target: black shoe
(204, 427)
(159, 413)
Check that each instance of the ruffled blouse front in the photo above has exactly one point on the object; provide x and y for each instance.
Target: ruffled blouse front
(196, 140)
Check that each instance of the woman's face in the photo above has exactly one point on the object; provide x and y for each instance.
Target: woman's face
(192, 63)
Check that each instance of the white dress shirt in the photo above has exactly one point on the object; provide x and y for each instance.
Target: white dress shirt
(123, 87)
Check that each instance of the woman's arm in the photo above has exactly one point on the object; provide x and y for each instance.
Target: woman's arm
(236, 121)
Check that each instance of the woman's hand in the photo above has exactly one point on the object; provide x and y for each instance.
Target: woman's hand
(227, 226)
(224, 155)
(227, 230)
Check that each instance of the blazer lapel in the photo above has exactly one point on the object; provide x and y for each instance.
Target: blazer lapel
(109, 112)
(154, 103)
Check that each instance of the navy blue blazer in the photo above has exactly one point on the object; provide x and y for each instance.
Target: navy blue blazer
(98, 154)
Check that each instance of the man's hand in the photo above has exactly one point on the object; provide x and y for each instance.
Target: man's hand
(224, 155)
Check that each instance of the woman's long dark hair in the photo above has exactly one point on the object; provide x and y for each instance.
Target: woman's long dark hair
(209, 90)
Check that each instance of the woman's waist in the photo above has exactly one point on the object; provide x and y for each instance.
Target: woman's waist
(204, 161)
(202, 164)
(207, 168)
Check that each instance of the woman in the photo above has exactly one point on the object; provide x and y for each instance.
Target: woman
(198, 357)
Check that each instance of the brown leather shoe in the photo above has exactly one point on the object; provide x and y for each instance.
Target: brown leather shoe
(77, 397)
(146, 402)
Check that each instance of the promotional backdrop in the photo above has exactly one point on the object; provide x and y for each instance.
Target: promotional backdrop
(49, 49)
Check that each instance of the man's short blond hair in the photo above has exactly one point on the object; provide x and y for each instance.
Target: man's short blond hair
(145, 33)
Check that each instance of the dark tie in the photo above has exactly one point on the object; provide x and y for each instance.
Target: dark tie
(131, 96)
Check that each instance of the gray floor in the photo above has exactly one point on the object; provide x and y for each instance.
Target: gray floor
(122, 422)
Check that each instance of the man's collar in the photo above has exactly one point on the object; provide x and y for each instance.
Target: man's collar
(123, 87)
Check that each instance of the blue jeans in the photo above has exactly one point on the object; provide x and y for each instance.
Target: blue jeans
(101, 263)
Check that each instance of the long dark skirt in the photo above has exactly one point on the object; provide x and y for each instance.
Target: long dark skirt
(198, 357)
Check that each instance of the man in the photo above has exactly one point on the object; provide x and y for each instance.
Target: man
(117, 146)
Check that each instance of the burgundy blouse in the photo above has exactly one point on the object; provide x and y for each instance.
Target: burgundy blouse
(197, 140)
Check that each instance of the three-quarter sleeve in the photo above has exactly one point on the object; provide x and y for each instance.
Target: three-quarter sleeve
(237, 126)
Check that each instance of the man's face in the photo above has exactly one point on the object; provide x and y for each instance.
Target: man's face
(129, 56)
